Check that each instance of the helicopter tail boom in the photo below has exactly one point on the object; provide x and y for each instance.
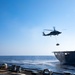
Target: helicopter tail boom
(45, 34)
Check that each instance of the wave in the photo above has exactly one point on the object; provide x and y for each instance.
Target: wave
(40, 64)
(29, 61)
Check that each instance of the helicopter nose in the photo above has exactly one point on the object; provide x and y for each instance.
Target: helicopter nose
(60, 32)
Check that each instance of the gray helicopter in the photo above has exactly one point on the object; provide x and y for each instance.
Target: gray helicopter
(53, 32)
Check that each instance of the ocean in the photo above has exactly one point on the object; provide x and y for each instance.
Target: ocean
(37, 63)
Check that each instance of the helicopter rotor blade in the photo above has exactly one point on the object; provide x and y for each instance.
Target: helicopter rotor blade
(48, 30)
(54, 28)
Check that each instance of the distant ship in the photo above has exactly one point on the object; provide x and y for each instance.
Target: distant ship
(65, 57)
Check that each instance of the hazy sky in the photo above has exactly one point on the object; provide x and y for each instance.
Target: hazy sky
(22, 23)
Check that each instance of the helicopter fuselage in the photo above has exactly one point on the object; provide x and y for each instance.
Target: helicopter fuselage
(52, 33)
(55, 33)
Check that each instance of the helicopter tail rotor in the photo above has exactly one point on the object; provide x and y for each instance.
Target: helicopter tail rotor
(44, 34)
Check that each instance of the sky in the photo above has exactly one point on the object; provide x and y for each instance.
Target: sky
(22, 23)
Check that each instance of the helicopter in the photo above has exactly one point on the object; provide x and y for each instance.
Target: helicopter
(53, 32)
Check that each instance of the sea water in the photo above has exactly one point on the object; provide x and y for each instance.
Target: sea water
(37, 63)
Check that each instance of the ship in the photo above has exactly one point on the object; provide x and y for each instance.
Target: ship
(65, 57)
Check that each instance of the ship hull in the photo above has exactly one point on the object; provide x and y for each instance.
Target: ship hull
(66, 57)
